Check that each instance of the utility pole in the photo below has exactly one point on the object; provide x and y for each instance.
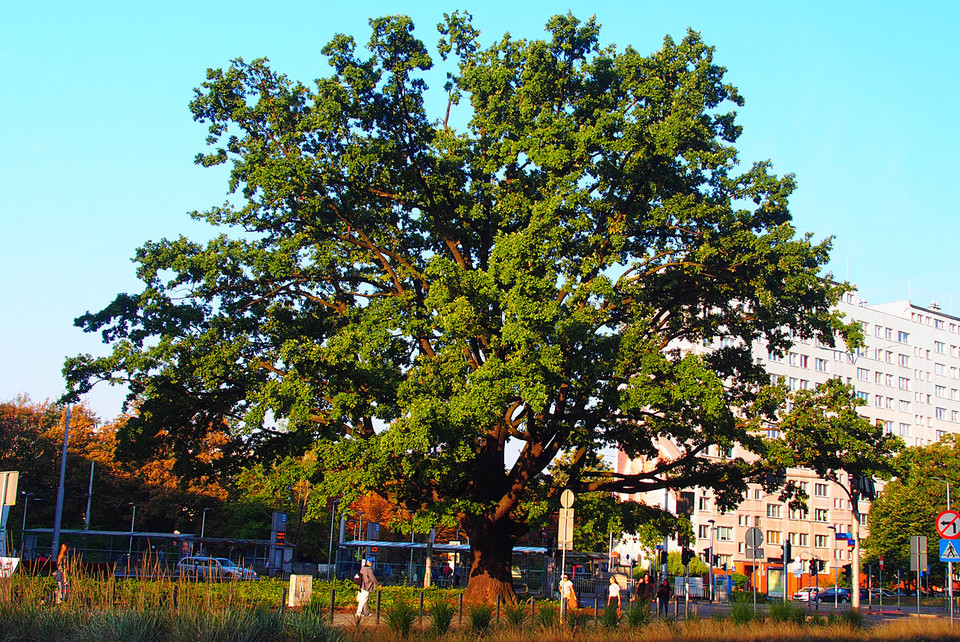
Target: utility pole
(58, 515)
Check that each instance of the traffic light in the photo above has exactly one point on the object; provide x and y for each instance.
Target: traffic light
(663, 557)
(787, 553)
(686, 555)
(815, 566)
(707, 553)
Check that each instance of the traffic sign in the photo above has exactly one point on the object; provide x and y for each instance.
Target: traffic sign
(948, 524)
(565, 530)
(754, 537)
(566, 498)
(949, 550)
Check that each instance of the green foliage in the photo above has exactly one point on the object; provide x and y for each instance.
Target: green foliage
(787, 612)
(577, 619)
(547, 616)
(610, 617)
(742, 613)
(676, 568)
(638, 613)
(441, 613)
(910, 503)
(400, 617)
(480, 617)
(851, 617)
(740, 581)
(517, 614)
(513, 272)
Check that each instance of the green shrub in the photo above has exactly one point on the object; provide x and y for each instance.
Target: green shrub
(639, 613)
(741, 613)
(517, 614)
(480, 617)
(743, 597)
(400, 618)
(442, 613)
(610, 617)
(847, 618)
(577, 619)
(547, 616)
(787, 612)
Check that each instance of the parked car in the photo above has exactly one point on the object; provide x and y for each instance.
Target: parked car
(213, 568)
(886, 594)
(806, 594)
(834, 595)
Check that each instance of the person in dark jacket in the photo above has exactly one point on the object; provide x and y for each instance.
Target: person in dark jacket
(368, 584)
(663, 598)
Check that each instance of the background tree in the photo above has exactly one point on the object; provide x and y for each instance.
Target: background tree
(824, 433)
(425, 295)
(910, 503)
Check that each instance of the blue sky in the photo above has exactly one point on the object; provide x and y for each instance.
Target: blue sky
(858, 99)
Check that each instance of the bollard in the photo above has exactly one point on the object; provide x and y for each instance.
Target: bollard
(563, 610)
(379, 592)
(533, 612)
(333, 603)
(596, 609)
(283, 599)
(421, 608)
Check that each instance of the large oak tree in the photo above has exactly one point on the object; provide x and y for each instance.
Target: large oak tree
(414, 293)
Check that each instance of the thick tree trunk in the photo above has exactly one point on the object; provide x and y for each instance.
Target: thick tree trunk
(490, 572)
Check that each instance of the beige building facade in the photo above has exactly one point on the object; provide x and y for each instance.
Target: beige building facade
(909, 377)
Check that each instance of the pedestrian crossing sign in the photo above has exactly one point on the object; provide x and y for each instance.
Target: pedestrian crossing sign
(949, 550)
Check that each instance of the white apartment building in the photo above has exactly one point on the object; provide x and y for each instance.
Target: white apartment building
(909, 376)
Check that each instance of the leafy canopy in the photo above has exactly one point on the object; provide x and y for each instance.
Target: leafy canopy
(410, 298)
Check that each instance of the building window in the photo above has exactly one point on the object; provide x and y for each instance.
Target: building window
(904, 360)
(905, 429)
(724, 533)
(941, 413)
(799, 514)
(820, 490)
(939, 347)
(954, 416)
(940, 391)
(758, 494)
(820, 514)
(863, 374)
(939, 369)
(773, 537)
(903, 337)
(820, 541)
(820, 364)
(804, 361)
(773, 511)
(703, 503)
(941, 434)
(703, 531)
(904, 406)
(904, 383)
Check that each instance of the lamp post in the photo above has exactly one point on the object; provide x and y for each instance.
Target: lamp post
(713, 532)
(26, 502)
(333, 510)
(203, 526)
(949, 564)
(133, 519)
(836, 577)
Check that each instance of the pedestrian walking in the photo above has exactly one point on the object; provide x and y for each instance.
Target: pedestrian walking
(63, 581)
(566, 592)
(663, 598)
(368, 584)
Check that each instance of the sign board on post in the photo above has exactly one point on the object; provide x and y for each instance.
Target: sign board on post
(565, 530)
(10, 480)
(754, 537)
(918, 553)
